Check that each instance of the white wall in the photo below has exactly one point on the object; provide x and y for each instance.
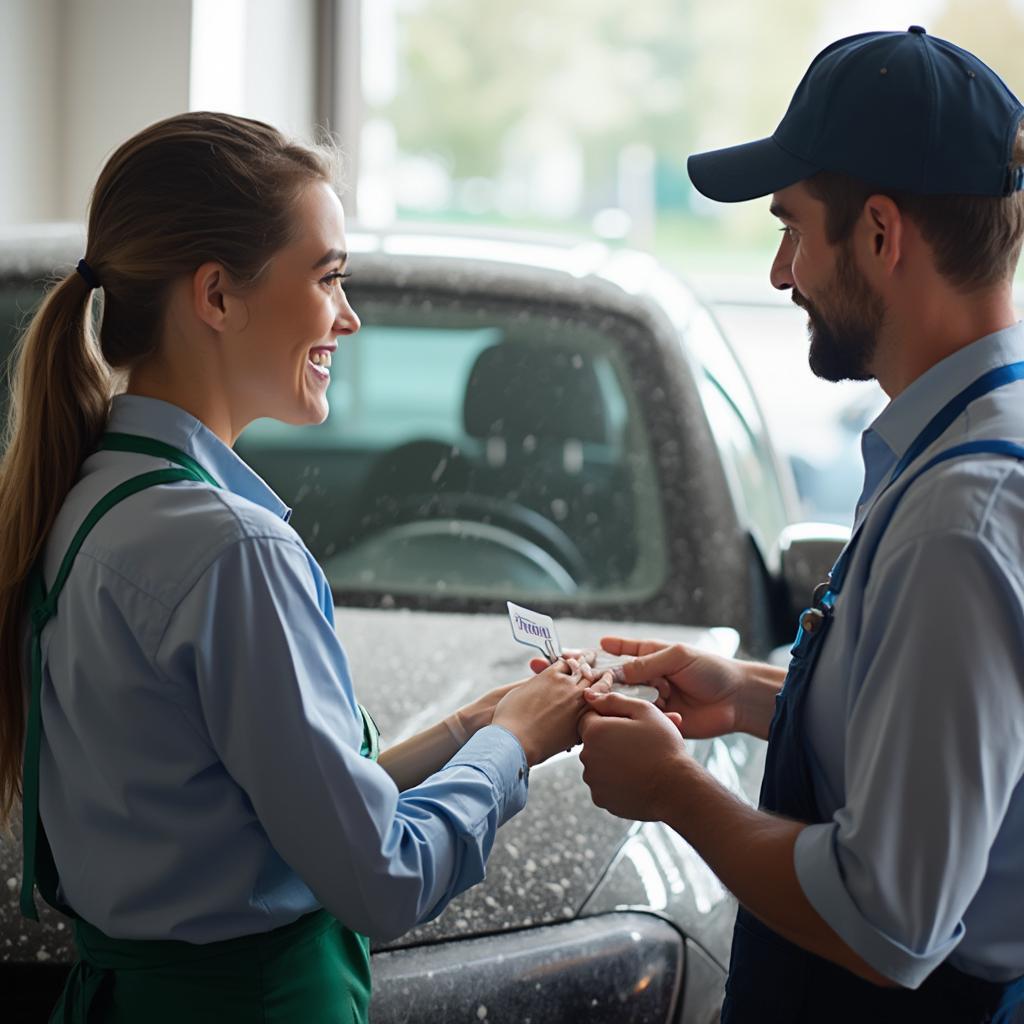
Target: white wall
(280, 83)
(31, 79)
(127, 66)
(78, 77)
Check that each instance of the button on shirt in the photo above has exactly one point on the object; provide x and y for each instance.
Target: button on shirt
(915, 714)
(200, 774)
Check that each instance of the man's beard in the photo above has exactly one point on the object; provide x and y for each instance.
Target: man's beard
(844, 333)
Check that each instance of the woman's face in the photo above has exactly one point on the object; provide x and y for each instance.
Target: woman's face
(281, 351)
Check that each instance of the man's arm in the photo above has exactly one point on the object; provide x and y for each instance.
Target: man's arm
(758, 869)
(713, 694)
(749, 850)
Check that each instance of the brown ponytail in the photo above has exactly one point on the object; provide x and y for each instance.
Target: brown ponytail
(190, 189)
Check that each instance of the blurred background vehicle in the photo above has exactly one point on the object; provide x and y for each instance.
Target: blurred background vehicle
(565, 427)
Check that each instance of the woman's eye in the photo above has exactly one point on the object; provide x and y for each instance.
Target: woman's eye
(336, 275)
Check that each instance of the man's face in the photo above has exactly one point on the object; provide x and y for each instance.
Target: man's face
(844, 313)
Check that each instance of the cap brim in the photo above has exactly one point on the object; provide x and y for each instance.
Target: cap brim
(746, 172)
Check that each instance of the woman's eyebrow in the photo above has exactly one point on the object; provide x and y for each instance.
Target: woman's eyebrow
(330, 257)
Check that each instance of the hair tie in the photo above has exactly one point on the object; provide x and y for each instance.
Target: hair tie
(88, 274)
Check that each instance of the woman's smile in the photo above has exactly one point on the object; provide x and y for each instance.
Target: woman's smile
(319, 362)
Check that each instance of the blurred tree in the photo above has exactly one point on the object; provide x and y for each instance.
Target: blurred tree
(670, 73)
(471, 71)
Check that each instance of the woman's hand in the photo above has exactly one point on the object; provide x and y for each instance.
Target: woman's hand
(707, 690)
(542, 712)
(474, 716)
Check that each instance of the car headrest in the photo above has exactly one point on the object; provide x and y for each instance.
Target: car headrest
(516, 390)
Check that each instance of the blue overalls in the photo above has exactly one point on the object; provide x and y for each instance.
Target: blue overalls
(770, 978)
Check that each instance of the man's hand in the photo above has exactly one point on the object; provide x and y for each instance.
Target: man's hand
(637, 766)
(631, 751)
(714, 695)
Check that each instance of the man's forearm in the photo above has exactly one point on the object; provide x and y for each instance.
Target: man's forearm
(752, 853)
(756, 702)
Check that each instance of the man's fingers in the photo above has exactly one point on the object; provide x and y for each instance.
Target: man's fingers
(537, 665)
(649, 668)
(615, 705)
(628, 647)
(586, 720)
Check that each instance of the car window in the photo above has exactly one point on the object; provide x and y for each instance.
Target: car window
(739, 432)
(474, 452)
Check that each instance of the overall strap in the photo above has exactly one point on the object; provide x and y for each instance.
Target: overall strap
(940, 422)
(37, 863)
(935, 428)
(1007, 449)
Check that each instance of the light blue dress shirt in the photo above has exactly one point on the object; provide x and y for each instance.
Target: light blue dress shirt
(200, 775)
(915, 715)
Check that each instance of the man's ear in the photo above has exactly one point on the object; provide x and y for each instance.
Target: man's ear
(211, 298)
(884, 229)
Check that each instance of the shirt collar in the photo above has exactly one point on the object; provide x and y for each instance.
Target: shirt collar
(908, 413)
(896, 427)
(150, 417)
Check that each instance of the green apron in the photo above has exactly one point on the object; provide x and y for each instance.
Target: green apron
(312, 970)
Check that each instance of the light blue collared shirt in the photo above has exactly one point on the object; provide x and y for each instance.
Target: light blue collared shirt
(200, 775)
(915, 715)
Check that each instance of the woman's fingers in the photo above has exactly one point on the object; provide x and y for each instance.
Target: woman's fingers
(601, 684)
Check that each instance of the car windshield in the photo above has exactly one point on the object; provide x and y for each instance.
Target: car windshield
(474, 451)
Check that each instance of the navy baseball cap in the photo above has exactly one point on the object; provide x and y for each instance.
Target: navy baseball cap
(901, 110)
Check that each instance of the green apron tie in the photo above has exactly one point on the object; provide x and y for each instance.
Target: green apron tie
(302, 971)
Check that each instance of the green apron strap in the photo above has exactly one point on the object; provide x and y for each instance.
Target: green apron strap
(37, 862)
(149, 446)
(371, 735)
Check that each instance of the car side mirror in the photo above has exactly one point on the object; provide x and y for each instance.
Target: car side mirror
(807, 552)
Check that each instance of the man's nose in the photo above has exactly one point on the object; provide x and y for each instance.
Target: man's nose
(781, 275)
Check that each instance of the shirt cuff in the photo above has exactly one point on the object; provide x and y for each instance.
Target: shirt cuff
(496, 753)
(820, 877)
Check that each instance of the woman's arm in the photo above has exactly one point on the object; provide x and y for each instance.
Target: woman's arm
(415, 759)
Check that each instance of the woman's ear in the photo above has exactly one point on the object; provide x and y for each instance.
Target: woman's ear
(210, 298)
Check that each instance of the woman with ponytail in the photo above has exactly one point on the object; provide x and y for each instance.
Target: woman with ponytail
(197, 779)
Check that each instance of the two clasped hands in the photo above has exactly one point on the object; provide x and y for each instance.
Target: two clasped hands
(630, 746)
(634, 758)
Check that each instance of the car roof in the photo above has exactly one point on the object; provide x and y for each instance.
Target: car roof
(547, 268)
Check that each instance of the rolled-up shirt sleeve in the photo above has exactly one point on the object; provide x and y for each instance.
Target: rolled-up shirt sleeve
(278, 701)
(933, 755)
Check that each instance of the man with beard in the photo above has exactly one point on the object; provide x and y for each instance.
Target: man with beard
(882, 878)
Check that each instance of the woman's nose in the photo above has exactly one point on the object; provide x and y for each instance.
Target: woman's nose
(346, 321)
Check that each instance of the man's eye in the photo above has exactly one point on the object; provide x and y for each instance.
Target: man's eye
(789, 232)
(335, 275)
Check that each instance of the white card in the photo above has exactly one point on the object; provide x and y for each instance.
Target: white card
(535, 630)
